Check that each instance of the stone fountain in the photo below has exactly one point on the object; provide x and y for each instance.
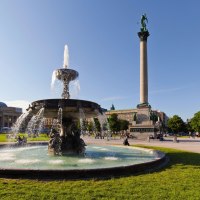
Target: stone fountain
(65, 137)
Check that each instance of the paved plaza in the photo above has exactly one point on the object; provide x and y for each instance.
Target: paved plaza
(186, 144)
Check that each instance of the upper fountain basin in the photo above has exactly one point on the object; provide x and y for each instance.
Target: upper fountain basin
(71, 108)
(67, 74)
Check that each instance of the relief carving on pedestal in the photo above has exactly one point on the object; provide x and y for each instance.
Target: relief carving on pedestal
(142, 117)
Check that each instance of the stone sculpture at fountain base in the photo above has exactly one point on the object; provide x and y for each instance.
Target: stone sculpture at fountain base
(66, 145)
(68, 141)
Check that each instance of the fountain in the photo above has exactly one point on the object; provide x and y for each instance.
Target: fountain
(66, 139)
(68, 156)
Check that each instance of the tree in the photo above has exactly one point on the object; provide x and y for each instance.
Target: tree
(189, 126)
(123, 124)
(176, 124)
(105, 126)
(83, 125)
(114, 123)
(195, 122)
(135, 116)
(90, 126)
(112, 107)
(97, 124)
(154, 117)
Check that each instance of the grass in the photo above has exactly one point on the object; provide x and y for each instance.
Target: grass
(42, 137)
(178, 180)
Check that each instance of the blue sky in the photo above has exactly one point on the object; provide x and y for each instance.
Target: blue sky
(104, 49)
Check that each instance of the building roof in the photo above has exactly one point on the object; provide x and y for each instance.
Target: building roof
(3, 105)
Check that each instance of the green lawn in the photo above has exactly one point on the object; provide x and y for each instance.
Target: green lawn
(180, 179)
(42, 137)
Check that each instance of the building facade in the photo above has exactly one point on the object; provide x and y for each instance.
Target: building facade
(8, 115)
(142, 123)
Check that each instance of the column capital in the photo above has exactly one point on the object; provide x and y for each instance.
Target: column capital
(143, 35)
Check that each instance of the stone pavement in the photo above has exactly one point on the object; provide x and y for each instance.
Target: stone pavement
(186, 144)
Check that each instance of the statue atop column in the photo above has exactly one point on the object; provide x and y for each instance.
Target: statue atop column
(144, 33)
(143, 22)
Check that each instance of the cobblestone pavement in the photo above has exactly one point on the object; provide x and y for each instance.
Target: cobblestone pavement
(187, 144)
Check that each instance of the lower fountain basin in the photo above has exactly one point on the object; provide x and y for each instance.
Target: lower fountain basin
(71, 108)
(99, 161)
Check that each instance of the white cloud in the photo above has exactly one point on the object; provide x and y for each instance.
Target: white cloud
(167, 90)
(18, 103)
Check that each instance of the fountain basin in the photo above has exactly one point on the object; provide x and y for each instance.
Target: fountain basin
(99, 162)
(71, 108)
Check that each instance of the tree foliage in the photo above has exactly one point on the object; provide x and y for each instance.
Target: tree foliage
(123, 124)
(154, 117)
(176, 124)
(116, 124)
(189, 126)
(97, 124)
(83, 125)
(195, 122)
(90, 126)
(112, 107)
(113, 122)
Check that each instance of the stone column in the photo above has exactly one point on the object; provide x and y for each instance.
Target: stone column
(143, 67)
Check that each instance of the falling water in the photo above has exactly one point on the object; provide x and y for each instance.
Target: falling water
(74, 88)
(21, 123)
(93, 125)
(57, 122)
(102, 120)
(57, 86)
(82, 120)
(60, 113)
(54, 124)
(53, 79)
(104, 125)
(36, 123)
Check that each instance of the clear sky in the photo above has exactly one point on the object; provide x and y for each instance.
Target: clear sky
(104, 49)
